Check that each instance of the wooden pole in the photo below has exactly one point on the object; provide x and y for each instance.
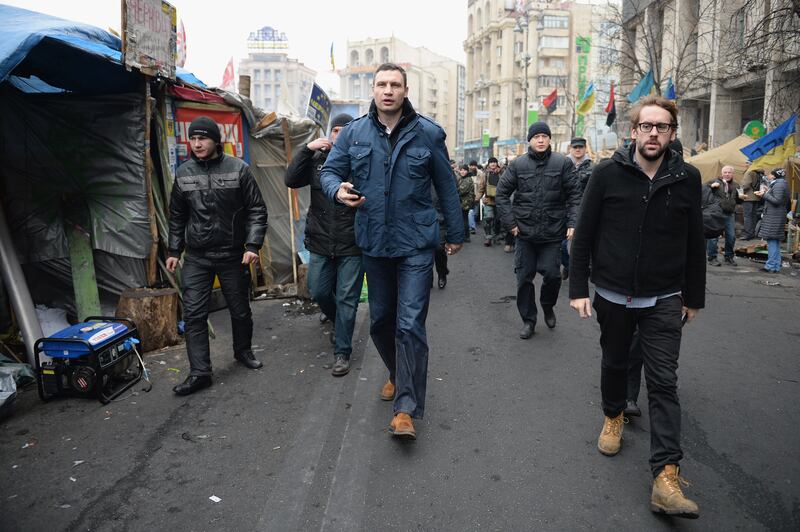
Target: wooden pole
(287, 146)
(152, 260)
(84, 279)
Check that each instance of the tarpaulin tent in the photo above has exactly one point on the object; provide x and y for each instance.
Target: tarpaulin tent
(710, 163)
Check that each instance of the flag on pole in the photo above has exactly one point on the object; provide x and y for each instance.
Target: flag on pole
(227, 77)
(611, 108)
(587, 102)
(333, 59)
(669, 94)
(644, 87)
(551, 101)
(180, 42)
(774, 148)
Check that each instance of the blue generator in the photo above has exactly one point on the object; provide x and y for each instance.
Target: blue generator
(96, 358)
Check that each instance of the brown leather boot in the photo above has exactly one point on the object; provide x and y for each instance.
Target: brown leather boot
(610, 439)
(402, 426)
(668, 498)
(387, 392)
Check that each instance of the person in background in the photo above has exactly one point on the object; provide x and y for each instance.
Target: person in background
(487, 189)
(476, 173)
(466, 193)
(724, 189)
(335, 272)
(583, 169)
(773, 221)
(752, 204)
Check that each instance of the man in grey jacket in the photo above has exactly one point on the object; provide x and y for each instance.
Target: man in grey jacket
(543, 213)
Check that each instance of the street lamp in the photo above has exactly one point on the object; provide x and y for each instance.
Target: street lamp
(522, 27)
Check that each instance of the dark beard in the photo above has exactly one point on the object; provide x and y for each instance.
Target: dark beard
(655, 157)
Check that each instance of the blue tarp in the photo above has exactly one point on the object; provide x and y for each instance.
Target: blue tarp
(52, 54)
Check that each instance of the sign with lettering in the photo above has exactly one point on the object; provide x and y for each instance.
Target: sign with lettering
(149, 37)
(319, 107)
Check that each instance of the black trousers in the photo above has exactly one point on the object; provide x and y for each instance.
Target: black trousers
(659, 329)
(530, 258)
(635, 363)
(197, 277)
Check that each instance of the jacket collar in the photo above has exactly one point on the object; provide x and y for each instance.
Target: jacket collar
(209, 163)
(540, 157)
(672, 163)
(408, 115)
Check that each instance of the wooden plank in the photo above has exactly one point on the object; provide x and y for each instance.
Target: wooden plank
(206, 106)
(152, 259)
(84, 279)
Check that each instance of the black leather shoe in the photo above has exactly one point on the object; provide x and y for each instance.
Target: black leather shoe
(549, 317)
(632, 409)
(527, 331)
(248, 360)
(442, 281)
(192, 384)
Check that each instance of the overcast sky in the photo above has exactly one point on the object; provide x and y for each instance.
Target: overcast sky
(217, 31)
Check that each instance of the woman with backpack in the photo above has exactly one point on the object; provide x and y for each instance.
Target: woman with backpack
(773, 220)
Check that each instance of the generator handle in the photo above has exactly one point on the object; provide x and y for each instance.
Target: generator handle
(126, 321)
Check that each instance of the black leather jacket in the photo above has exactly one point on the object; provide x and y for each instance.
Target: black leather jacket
(216, 209)
(329, 224)
(546, 197)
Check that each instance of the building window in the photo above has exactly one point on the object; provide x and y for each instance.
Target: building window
(552, 81)
(354, 58)
(499, 52)
(277, 92)
(552, 62)
(549, 41)
(553, 21)
(384, 55)
(369, 57)
(256, 75)
(278, 75)
(518, 47)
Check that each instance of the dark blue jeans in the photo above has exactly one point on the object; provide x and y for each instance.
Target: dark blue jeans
(659, 334)
(730, 240)
(399, 292)
(530, 258)
(335, 284)
(197, 281)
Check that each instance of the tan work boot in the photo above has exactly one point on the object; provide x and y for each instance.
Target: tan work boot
(668, 498)
(402, 426)
(387, 392)
(610, 439)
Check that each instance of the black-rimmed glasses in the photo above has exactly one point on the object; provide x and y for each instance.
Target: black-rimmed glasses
(661, 127)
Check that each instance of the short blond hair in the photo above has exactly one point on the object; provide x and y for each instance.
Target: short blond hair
(658, 101)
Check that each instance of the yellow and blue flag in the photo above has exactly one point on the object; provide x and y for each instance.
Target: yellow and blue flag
(588, 100)
(644, 88)
(774, 148)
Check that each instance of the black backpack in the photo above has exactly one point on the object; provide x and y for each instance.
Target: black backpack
(713, 216)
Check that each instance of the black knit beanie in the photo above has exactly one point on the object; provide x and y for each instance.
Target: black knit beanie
(204, 126)
(340, 120)
(537, 128)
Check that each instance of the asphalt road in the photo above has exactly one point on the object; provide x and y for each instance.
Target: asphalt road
(508, 441)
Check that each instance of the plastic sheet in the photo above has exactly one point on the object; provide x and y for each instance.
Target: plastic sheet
(73, 158)
(268, 156)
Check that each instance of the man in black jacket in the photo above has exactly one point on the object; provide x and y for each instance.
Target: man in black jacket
(641, 228)
(543, 214)
(725, 192)
(217, 214)
(335, 272)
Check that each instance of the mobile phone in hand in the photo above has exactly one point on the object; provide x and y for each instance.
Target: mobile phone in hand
(355, 192)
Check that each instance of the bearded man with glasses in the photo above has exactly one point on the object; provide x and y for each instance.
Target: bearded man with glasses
(641, 228)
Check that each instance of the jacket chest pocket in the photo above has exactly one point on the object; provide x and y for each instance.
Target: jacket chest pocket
(360, 161)
(225, 181)
(417, 160)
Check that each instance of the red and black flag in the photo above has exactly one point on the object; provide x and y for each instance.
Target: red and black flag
(551, 101)
(611, 108)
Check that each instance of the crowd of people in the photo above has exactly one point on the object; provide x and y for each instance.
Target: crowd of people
(387, 201)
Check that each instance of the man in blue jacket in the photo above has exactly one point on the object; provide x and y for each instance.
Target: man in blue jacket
(393, 156)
